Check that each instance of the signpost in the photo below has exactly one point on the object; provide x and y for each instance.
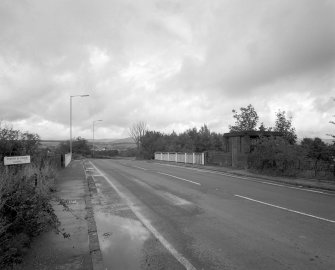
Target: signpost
(16, 160)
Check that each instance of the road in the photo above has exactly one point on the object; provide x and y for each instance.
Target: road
(160, 216)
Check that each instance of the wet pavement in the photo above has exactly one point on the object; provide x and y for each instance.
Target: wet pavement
(125, 242)
(53, 251)
(122, 240)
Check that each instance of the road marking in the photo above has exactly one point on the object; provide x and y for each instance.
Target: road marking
(286, 209)
(309, 190)
(143, 184)
(174, 199)
(248, 178)
(179, 257)
(196, 183)
(144, 169)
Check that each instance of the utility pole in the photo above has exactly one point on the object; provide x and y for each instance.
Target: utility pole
(71, 119)
(93, 136)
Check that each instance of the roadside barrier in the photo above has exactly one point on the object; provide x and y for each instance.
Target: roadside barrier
(66, 159)
(187, 158)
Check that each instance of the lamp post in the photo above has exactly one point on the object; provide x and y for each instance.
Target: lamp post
(71, 119)
(93, 136)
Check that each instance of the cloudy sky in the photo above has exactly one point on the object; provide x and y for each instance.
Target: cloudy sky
(173, 64)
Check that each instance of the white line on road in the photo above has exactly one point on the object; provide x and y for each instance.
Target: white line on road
(173, 199)
(179, 257)
(286, 209)
(196, 183)
(144, 169)
(247, 178)
(309, 190)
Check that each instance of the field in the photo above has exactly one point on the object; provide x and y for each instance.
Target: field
(108, 144)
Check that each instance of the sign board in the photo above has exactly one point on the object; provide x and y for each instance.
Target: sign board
(16, 160)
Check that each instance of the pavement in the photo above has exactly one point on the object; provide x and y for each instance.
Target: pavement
(300, 182)
(81, 249)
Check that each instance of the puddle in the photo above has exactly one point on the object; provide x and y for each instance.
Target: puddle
(121, 241)
(70, 201)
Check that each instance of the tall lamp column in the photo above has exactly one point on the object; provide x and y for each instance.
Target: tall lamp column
(93, 136)
(71, 119)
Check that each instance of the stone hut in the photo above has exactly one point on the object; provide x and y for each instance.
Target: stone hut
(237, 146)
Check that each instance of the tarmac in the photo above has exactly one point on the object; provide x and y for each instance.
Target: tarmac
(321, 184)
(82, 250)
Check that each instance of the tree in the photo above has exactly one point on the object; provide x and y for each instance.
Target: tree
(79, 146)
(16, 142)
(246, 120)
(316, 149)
(284, 125)
(204, 139)
(216, 142)
(332, 122)
(152, 141)
(136, 132)
(262, 128)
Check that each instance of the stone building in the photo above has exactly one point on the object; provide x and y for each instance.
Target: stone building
(237, 146)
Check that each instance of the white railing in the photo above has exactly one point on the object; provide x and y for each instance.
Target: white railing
(189, 158)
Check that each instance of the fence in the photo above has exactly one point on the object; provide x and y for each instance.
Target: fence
(310, 168)
(187, 158)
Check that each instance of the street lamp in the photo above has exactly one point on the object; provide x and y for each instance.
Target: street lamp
(71, 119)
(93, 136)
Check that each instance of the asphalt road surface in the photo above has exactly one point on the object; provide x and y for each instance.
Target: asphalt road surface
(161, 216)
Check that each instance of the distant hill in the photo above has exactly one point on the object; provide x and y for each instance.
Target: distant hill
(112, 144)
(124, 140)
(50, 143)
(115, 144)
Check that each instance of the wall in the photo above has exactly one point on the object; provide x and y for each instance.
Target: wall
(67, 159)
(218, 158)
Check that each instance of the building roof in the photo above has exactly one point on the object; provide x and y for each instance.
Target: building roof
(252, 133)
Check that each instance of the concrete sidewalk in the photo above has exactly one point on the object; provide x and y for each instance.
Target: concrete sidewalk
(52, 251)
(300, 182)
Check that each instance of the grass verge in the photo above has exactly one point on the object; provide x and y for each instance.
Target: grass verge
(26, 194)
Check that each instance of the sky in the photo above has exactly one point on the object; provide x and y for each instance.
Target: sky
(172, 64)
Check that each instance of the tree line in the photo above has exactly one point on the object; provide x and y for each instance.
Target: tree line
(203, 139)
(280, 155)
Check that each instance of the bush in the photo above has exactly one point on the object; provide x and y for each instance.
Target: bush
(25, 194)
(274, 155)
(277, 156)
(25, 209)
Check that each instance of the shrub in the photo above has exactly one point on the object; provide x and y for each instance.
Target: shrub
(25, 194)
(25, 209)
(274, 155)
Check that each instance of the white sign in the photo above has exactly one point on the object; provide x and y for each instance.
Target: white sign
(16, 160)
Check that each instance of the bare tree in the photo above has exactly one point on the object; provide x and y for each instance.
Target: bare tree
(137, 131)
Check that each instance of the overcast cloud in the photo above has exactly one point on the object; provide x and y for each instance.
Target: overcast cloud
(174, 64)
